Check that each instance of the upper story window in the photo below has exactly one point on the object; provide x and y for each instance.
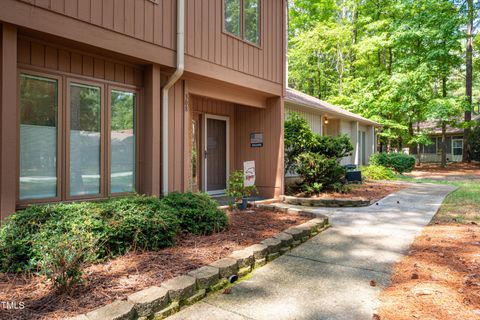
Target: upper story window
(242, 19)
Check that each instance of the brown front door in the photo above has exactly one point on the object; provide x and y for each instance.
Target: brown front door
(216, 150)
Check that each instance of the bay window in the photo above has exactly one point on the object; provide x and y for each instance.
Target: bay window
(80, 147)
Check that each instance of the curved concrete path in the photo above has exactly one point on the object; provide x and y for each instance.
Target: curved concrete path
(328, 277)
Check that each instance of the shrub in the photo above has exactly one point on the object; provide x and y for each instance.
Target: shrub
(63, 256)
(197, 212)
(374, 172)
(299, 138)
(24, 231)
(398, 162)
(138, 222)
(319, 172)
(29, 238)
(236, 188)
(333, 147)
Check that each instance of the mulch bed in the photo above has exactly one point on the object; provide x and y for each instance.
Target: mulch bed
(454, 171)
(439, 279)
(368, 190)
(117, 278)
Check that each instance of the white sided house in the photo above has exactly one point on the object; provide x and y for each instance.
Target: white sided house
(327, 119)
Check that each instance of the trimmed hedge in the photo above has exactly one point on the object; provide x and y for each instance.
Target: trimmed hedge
(44, 236)
(399, 162)
(197, 212)
(373, 172)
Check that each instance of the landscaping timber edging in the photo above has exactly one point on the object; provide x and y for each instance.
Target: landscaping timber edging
(159, 302)
(326, 202)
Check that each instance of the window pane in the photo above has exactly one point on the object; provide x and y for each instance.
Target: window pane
(122, 135)
(252, 14)
(232, 16)
(85, 109)
(38, 137)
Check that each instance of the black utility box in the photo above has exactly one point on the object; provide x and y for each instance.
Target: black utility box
(353, 174)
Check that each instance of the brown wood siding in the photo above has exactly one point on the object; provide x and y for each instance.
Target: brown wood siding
(206, 40)
(140, 19)
(177, 134)
(8, 119)
(41, 55)
(269, 158)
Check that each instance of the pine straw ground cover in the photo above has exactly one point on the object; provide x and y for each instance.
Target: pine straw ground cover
(440, 276)
(117, 278)
(438, 279)
(368, 190)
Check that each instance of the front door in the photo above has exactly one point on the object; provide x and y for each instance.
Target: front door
(216, 154)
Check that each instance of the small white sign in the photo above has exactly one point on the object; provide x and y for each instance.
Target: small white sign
(249, 173)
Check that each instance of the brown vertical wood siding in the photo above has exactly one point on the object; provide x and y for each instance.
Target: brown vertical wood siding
(206, 40)
(269, 158)
(140, 19)
(38, 54)
(8, 119)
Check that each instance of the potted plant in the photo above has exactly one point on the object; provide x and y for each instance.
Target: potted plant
(237, 190)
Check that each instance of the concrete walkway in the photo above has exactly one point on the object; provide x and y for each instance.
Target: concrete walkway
(328, 277)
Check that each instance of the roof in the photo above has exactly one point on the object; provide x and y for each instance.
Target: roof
(433, 128)
(299, 98)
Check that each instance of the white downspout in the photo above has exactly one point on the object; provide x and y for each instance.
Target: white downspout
(171, 81)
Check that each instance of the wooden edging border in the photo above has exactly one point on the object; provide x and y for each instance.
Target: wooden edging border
(159, 302)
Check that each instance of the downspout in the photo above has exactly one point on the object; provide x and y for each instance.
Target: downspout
(180, 67)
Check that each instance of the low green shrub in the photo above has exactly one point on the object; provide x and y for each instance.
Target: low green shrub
(41, 237)
(319, 172)
(197, 212)
(475, 142)
(399, 162)
(138, 223)
(374, 172)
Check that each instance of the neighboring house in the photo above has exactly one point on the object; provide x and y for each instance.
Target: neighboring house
(95, 102)
(433, 152)
(327, 119)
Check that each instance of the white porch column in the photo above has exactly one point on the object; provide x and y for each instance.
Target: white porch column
(355, 142)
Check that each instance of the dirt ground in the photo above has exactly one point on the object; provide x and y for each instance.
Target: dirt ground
(368, 190)
(117, 278)
(453, 172)
(439, 279)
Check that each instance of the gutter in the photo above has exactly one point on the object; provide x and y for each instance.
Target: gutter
(180, 68)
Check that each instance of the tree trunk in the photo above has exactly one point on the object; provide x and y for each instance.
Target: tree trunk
(419, 156)
(444, 144)
(468, 81)
(444, 127)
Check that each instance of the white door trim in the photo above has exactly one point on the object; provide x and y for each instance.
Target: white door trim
(227, 128)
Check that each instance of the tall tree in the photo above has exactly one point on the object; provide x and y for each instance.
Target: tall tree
(468, 81)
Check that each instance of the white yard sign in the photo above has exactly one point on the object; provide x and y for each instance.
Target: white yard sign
(249, 173)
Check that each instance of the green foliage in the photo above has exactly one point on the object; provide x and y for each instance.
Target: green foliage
(374, 172)
(58, 239)
(137, 223)
(384, 60)
(236, 188)
(299, 138)
(333, 147)
(197, 212)
(475, 143)
(64, 254)
(398, 162)
(319, 172)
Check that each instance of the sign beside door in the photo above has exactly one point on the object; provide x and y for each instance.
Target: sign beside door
(249, 173)
(256, 140)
